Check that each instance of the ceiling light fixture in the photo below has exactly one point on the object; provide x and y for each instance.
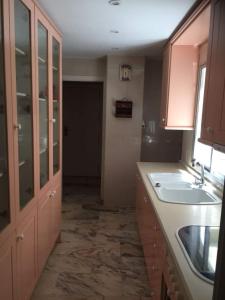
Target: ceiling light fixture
(114, 31)
(114, 2)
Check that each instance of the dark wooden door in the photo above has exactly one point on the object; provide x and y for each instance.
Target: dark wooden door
(82, 122)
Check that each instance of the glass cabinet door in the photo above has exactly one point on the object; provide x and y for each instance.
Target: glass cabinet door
(4, 170)
(43, 104)
(24, 101)
(56, 106)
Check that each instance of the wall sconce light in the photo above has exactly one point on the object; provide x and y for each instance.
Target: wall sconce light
(125, 72)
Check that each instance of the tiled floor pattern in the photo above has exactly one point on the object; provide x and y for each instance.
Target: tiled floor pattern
(99, 258)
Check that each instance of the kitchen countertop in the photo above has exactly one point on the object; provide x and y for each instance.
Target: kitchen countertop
(173, 216)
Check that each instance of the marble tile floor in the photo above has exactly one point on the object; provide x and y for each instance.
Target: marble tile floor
(99, 257)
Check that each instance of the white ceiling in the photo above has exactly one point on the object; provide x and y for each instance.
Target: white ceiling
(143, 25)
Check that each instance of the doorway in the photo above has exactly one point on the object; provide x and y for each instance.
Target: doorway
(82, 133)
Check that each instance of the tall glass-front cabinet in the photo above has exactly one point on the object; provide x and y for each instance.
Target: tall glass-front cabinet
(30, 144)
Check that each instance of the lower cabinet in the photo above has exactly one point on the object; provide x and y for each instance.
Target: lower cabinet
(44, 230)
(160, 268)
(172, 286)
(24, 255)
(7, 270)
(26, 246)
(49, 216)
(151, 238)
(56, 211)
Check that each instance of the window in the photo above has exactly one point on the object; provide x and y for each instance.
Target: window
(214, 161)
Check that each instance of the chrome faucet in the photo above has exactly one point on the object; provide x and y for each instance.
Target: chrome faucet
(199, 181)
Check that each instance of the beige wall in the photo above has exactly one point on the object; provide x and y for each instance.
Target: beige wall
(84, 69)
(122, 137)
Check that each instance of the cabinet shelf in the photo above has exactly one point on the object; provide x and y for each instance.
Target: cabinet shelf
(42, 60)
(20, 52)
(55, 144)
(42, 99)
(42, 151)
(54, 68)
(55, 100)
(18, 94)
(22, 163)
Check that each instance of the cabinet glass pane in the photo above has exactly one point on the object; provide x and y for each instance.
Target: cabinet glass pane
(55, 70)
(4, 173)
(24, 101)
(43, 103)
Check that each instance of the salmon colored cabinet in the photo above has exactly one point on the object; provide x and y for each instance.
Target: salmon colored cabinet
(213, 122)
(7, 270)
(180, 70)
(179, 89)
(44, 230)
(30, 148)
(26, 240)
(56, 211)
(151, 238)
(160, 267)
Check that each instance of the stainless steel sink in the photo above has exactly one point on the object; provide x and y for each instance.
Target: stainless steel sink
(180, 188)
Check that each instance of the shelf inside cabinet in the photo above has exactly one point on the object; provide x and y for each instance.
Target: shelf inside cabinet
(55, 100)
(44, 150)
(42, 99)
(41, 60)
(22, 163)
(20, 52)
(54, 68)
(18, 94)
(55, 144)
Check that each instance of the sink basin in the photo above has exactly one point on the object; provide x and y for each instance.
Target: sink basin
(187, 196)
(179, 188)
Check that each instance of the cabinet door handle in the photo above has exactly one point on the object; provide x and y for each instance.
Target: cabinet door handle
(145, 199)
(18, 126)
(163, 120)
(20, 237)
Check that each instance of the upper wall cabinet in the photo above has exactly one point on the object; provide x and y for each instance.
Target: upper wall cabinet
(56, 103)
(180, 71)
(23, 91)
(6, 129)
(213, 123)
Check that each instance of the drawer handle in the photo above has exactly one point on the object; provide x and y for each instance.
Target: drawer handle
(18, 126)
(52, 194)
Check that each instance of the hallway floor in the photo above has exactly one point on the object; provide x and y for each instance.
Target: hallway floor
(99, 258)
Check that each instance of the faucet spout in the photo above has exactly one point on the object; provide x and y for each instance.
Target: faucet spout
(202, 179)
